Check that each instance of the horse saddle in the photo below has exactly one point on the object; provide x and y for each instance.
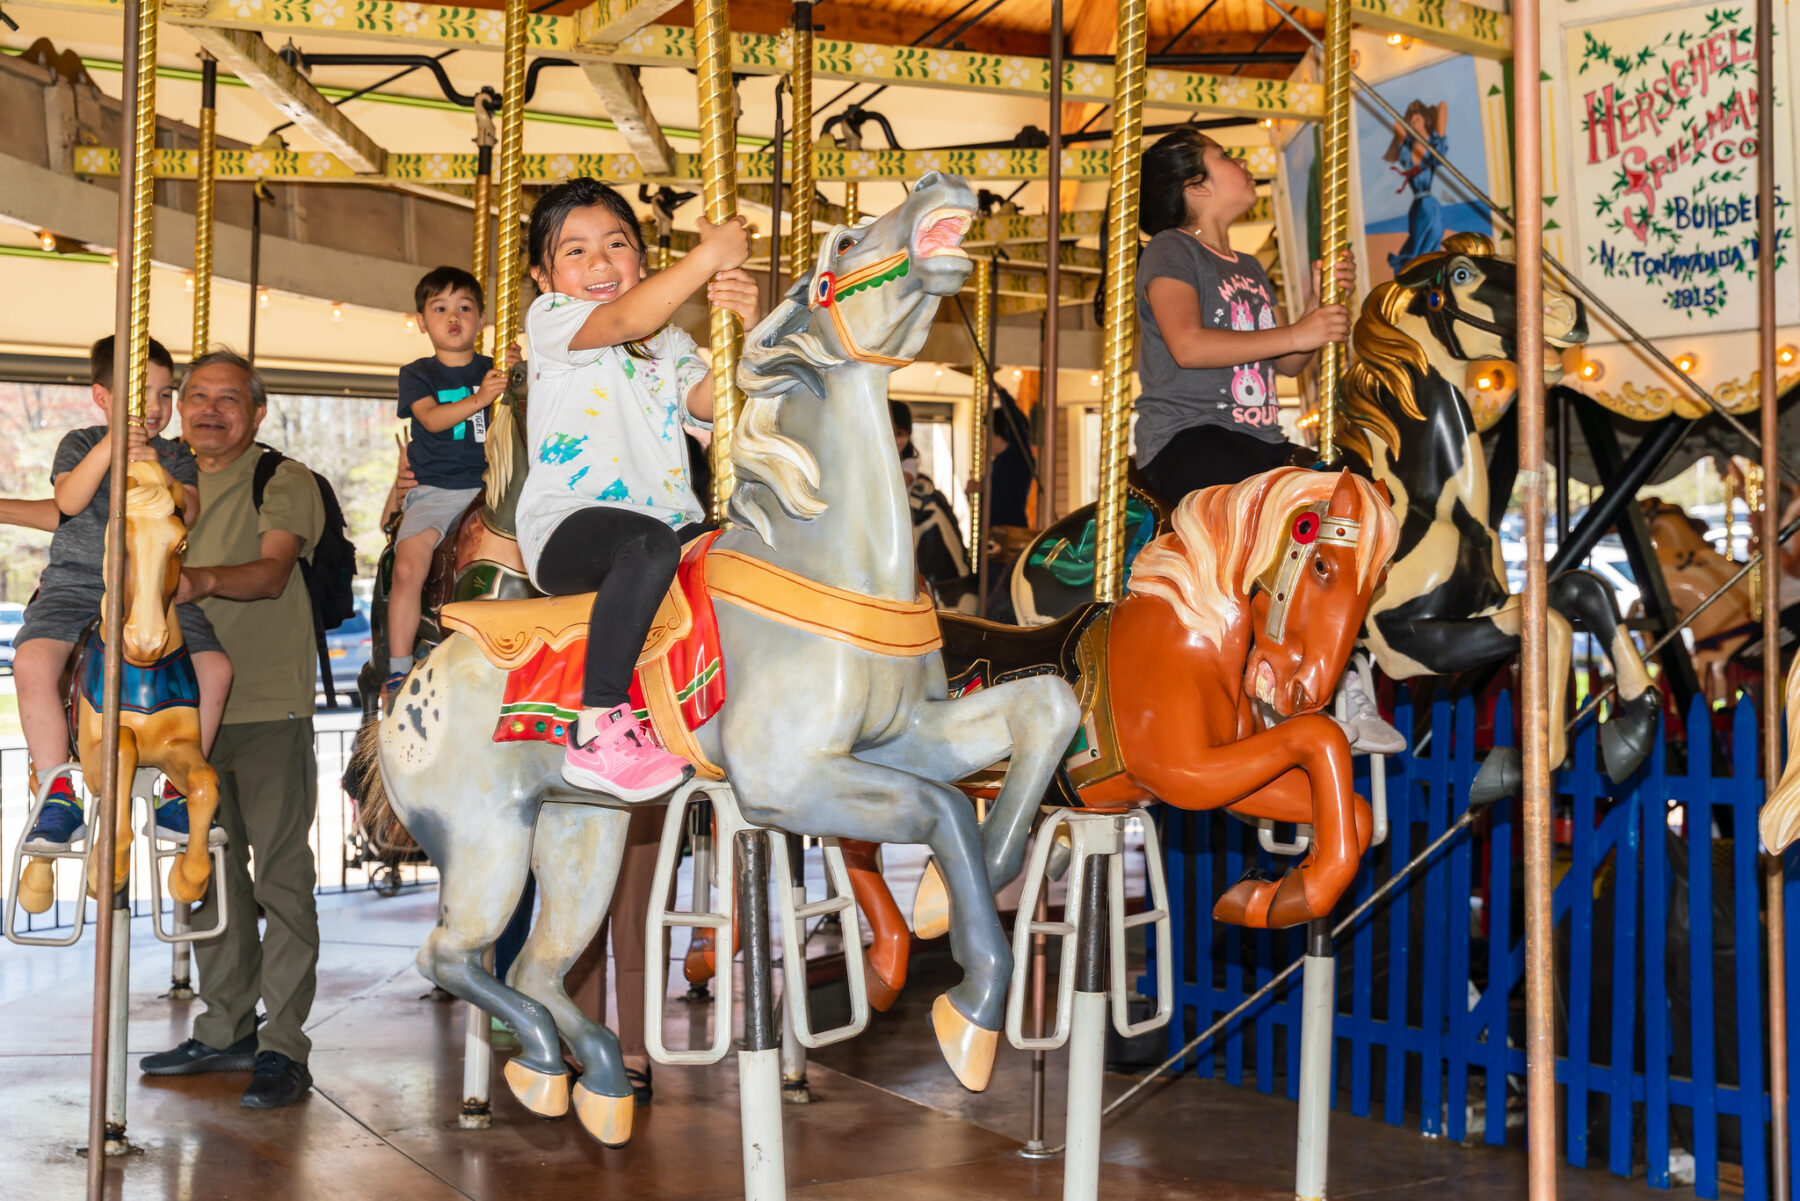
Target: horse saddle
(541, 643)
(979, 654)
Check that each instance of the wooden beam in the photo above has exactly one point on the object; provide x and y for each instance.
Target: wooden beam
(249, 58)
(607, 21)
(293, 166)
(1450, 24)
(624, 101)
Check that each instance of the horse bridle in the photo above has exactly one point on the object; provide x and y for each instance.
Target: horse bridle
(1442, 314)
(1309, 527)
(827, 289)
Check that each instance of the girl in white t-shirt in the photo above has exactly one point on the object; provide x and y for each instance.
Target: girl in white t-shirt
(606, 503)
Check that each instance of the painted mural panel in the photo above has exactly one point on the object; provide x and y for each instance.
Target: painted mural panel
(1663, 147)
(1408, 202)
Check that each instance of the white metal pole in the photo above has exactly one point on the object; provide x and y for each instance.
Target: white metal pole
(759, 1063)
(1318, 998)
(478, 1061)
(118, 1015)
(1087, 1037)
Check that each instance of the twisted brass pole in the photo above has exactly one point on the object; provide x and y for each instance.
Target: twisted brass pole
(1334, 201)
(718, 185)
(484, 200)
(131, 345)
(800, 206)
(204, 191)
(507, 268)
(1121, 285)
(978, 416)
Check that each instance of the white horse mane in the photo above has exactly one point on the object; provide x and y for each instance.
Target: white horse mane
(771, 367)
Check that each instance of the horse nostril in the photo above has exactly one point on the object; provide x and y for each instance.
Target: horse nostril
(926, 180)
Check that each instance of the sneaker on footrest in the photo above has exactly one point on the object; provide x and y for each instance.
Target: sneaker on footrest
(610, 751)
(61, 823)
(172, 819)
(389, 687)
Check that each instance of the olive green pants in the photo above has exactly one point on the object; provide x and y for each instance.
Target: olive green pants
(268, 795)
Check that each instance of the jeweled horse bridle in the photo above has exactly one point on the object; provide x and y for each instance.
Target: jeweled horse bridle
(1309, 528)
(827, 289)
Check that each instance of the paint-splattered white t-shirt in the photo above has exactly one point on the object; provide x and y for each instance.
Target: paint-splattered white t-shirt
(603, 427)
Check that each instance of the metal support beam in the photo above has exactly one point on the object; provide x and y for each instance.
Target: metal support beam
(625, 103)
(249, 58)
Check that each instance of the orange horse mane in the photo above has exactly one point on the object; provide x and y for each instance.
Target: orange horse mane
(1228, 535)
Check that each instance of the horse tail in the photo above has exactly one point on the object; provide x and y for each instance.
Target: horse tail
(1780, 819)
(376, 819)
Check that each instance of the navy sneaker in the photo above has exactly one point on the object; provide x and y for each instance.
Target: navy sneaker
(60, 824)
(276, 1083)
(172, 819)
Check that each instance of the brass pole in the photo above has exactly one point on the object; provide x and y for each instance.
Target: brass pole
(800, 207)
(978, 428)
(1540, 964)
(507, 268)
(1769, 226)
(1334, 201)
(484, 201)
(852, 206)
(775, 149)
(204, 191)
(1046, 511)
(1121, 286)
(131, 346)
(718, 185)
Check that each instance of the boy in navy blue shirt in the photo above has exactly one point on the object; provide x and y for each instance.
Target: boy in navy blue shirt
(446, 396)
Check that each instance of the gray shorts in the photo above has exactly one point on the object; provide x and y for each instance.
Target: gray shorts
(62, 613)
(429, 508)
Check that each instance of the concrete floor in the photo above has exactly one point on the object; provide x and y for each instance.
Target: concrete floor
(381, 1124)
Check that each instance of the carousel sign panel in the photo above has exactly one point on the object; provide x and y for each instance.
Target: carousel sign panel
(1663, 150)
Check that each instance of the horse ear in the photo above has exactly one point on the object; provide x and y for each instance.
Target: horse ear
(1386, 493)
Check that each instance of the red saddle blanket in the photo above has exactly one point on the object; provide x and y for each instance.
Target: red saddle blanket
(680, 677)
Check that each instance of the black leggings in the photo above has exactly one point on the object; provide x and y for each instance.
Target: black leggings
(627, 560)
(1211, 454)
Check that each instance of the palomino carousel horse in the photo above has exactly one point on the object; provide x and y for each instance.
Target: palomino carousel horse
(838, 722)
(1694, 570)
(1445, 607)
(159, 716)
(1779, 822)
(1248, 608)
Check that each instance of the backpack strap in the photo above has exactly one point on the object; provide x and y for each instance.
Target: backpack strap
(266, 466)
(263, 473)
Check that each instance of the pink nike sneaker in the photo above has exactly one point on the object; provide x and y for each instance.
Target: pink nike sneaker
(610, 751)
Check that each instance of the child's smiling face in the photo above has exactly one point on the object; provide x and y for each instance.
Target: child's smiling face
(159, 398)
(596, 257)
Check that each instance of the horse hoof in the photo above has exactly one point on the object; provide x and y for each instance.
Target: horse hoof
(1247, 902)
(698, 966)
(1061, 854)
(607, 1119)
(1501, 775)
(544, 1093)
(931, 905)
(37, 886)
(1626, 738)
(967, 1048)
(882, 995)
(185, 887)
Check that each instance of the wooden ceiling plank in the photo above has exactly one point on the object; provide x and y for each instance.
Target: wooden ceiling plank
(625, 103)
(249, 58)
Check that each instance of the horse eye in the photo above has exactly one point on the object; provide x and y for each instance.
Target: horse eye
(1319, 567)
(1462, 275)
(846, 245)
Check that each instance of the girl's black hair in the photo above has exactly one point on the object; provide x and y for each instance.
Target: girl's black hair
(1173, 162)
(552, 210)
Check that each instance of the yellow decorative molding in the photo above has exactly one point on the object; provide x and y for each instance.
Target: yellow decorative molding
(1654, 402)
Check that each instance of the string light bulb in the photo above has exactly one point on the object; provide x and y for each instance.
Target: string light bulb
(113, 258)
(1686, 362)
(188, 281)
(1394, 39)
(1591, 370)
(46, 239)
(1094, 379)
(262, 298)
(337, 311)
(1786, 356)
(412, 326)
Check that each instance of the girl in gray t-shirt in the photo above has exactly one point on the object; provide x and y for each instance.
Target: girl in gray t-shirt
(1211, 337)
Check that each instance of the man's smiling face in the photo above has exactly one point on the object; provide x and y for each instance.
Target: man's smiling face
(219, 416)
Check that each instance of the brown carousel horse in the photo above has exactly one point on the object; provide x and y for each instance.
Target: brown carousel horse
(159, 717)
(1695, 570)
(1247, 609)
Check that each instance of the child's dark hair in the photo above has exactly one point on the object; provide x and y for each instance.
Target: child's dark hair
(1172, 163)
(553, 209)
(100, 360)
(440, 280)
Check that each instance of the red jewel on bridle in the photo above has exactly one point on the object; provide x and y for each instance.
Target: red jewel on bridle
(1306, 528)
(824, 289)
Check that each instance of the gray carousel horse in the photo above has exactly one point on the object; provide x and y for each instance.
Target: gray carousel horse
(838, 721)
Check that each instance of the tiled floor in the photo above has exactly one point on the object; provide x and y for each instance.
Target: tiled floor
(381, 1125)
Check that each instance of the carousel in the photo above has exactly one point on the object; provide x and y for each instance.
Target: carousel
(1040, 830)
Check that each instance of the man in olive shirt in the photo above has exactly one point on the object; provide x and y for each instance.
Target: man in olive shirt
(243, 568)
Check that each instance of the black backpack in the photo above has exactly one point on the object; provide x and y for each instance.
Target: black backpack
(332, 570)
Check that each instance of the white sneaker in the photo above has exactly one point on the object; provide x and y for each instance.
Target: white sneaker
(1369, 734)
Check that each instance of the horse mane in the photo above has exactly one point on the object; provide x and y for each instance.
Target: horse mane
(149, 492)
(500, 466)
(1387, 359)
(783, 358)
(1228, 535)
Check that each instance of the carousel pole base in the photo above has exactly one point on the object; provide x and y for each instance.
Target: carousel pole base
(759, 1115)
(1318, 1000)
(478, 1065)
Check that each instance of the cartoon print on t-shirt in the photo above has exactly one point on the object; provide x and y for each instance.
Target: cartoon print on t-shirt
(1247, 301)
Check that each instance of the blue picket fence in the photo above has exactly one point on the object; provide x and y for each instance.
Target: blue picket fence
(1668, 1049)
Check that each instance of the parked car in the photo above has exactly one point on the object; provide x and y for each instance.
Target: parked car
(348, 649)
(12, 616)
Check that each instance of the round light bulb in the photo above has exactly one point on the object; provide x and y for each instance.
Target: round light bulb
(1094, 379)
(262, 297)
(46, 239)
(412, 327)
(1685, 363)
(188, 281)
(337, 312)
(1484, 382)
(1786, 356)
(1394, 39)
(114, 259)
